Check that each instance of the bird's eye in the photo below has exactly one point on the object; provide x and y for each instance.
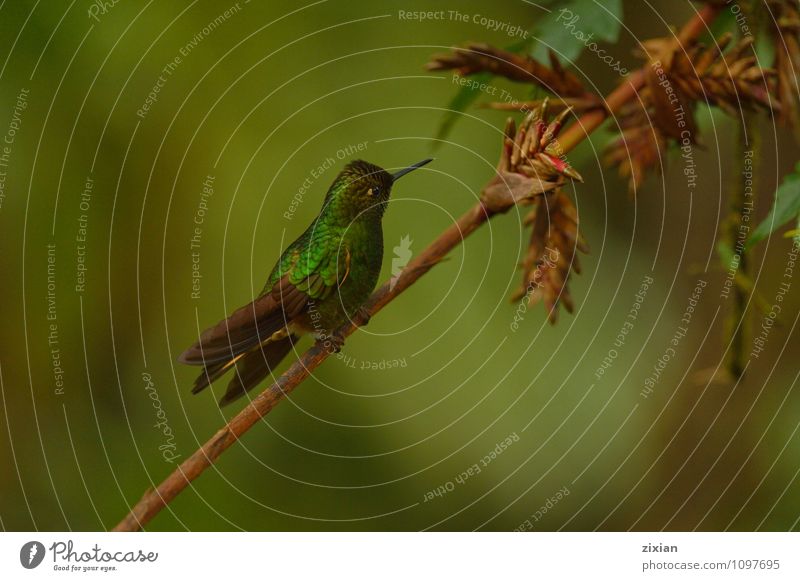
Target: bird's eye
(375, 191)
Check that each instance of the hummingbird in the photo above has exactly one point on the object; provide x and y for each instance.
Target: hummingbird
(320, 281)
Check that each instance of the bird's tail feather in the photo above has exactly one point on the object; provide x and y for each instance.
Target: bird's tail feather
(250, 368)
(211, 373)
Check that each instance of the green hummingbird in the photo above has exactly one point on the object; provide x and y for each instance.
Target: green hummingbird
(322, 279)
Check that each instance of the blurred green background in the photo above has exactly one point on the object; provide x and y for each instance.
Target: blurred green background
(259, 100)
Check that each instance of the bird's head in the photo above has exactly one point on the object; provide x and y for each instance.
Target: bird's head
(362, 187)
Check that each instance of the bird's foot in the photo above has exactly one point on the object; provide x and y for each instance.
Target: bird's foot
(332, 343)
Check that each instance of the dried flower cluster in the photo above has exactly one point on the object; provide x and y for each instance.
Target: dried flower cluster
(531, 162)
(551, 255)
(536, 151)
(532, 170)
(677, 79)
(729, 78)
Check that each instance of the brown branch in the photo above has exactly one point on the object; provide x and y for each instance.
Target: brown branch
(154, 500)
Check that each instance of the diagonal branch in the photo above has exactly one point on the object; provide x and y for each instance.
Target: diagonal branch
(154, 500)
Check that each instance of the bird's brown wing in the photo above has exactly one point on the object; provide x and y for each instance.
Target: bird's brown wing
(248, 326)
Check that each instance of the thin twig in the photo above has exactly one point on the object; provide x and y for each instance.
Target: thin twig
(154, 500)
(749, 140)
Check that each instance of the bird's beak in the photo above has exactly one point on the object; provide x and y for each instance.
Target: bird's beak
(402, 172)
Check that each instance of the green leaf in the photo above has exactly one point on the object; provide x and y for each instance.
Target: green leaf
(724, 22)
(603, 19)
(558, 40)
(786, 208)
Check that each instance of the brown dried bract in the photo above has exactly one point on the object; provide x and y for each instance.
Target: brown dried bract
(477, 57)
(531, 162)
(677, 79)
(639, 148)
(730, 79)
(551, 255)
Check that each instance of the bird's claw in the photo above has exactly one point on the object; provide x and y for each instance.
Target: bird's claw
(332, 343)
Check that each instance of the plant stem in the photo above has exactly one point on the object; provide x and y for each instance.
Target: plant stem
(748, 141)
(155, 499)
(736, 324)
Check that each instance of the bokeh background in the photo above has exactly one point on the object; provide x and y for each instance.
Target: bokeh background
(257, 104)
